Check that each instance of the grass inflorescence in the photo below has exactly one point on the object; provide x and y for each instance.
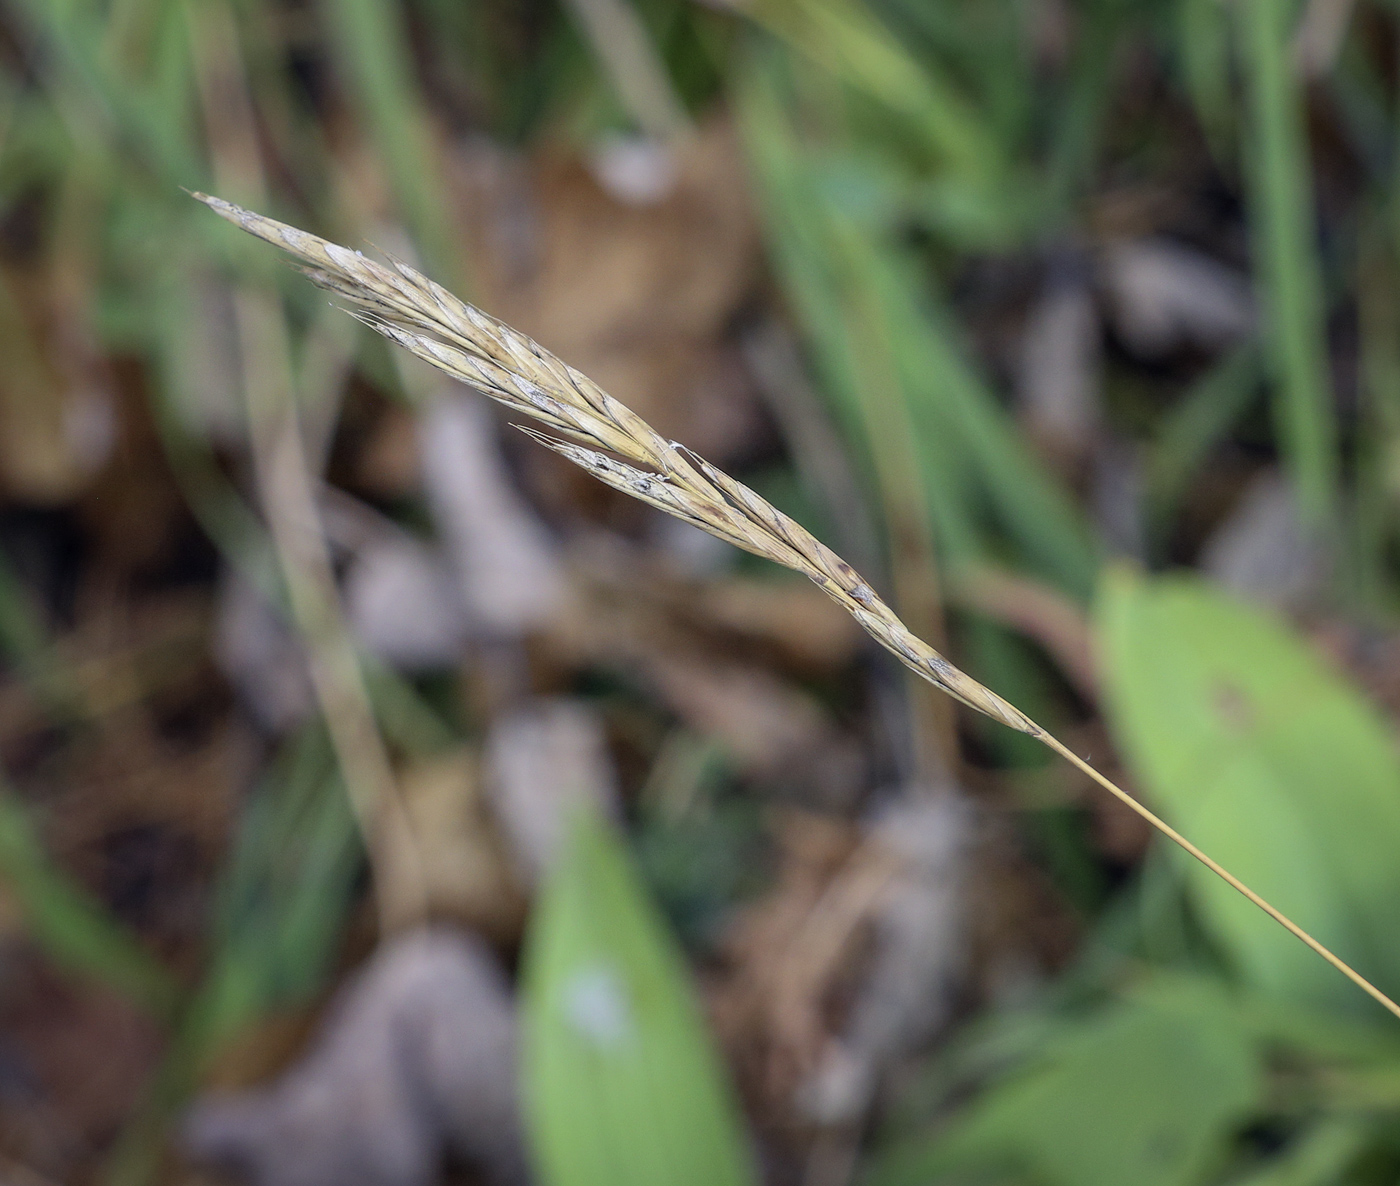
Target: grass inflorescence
(618, 447)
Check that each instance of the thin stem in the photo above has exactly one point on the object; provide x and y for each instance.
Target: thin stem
(634, 66)
(1287, 257)
(914, 570)
(287, 491)
(1220, 871)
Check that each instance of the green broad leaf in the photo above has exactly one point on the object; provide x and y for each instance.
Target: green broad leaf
(1147, 1092)
(621, 1084)
(1259, 753)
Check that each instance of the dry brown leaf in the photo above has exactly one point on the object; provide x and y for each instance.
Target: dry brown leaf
(637, 297)
(918, 913)
(457, 853)
(726, 615)
(771, 730)
(661, 631)
(1038, 611)
(799, 619)
(388, 463)
(770, 1005)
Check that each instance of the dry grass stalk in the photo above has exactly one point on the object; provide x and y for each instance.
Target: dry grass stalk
(287, 490)
(446, 332)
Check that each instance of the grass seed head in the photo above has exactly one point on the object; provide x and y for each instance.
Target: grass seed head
(602, 436)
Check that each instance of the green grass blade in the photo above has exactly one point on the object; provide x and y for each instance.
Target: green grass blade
(372, 44)
(103, 107)
(975, 464)
(71, 926)
(852, 43)
(279, 914)
(1199, 422)
(1282, 219)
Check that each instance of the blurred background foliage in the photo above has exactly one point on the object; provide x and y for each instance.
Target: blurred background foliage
(1018, 303)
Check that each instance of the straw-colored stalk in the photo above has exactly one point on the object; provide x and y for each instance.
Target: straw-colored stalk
(618, 447)
(287, 489)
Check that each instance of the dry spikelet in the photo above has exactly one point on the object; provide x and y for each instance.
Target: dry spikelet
(446, 332)
(424, 318)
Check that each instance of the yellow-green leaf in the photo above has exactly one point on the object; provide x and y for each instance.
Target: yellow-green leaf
(622, 1086)
(1265, 757)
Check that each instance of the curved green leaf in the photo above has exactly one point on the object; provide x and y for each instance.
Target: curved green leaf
(621, 1085)
(1246, 741)
(1146, 1092)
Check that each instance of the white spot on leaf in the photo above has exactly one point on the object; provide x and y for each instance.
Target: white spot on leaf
(597, 1005)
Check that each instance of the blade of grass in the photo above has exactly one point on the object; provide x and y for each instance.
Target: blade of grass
(236, 531)
(284, 894)
(798, 229)
(1030, 505)
(862, 368)
(288, 495)
(847, 39)
(1377, 511)
(1377, 514)
(1203, 46)
(1282, 220)
(71, 926)
(817, 450)
(66, 922)
(372, 47)
(1084, 107)
(102, 106)
(1198, 422)
(908, 522)
(972, 456)
(638, 75)
(470, 346)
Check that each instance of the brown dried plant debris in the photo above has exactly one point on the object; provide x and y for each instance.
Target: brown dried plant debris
(65, 1105)
(663, 277)
(457, 847)
(705, 666)
(788, 623)
(769, 1006)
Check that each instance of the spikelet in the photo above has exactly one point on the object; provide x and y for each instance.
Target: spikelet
(599, 434)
